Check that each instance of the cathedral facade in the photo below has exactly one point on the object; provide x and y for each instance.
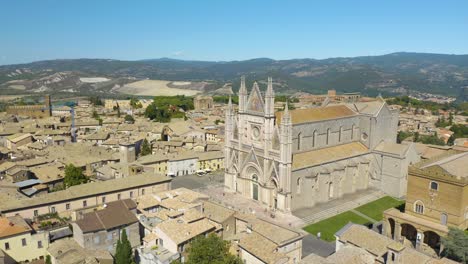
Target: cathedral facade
(293, 159)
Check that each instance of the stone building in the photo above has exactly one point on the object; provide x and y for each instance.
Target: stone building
(101, 229)
(35, 111)
(203, 102)
(296, 158)
(330, 96)
(437, 198)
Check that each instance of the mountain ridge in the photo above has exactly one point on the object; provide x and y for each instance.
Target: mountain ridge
(393, 73)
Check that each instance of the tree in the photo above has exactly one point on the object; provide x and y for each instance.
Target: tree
(450, 121)
(401, 136)
(73, 176)
(95, 114)
(129, 119)
(135, 103)
(123, 251)
(456, 245)
(95, 100)
(48, 260)
(118, 110)
(451, 140)
(145, 148)
(210, 250)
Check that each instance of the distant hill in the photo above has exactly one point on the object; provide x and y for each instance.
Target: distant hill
(394, 73)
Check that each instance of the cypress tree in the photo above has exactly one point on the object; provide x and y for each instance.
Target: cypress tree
(123, 252)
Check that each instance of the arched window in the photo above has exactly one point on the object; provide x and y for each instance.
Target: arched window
(419, 207)
(314, 138)
(340, 133)
(299, 185)
(299, 141)
(328, 136)
(434, 186)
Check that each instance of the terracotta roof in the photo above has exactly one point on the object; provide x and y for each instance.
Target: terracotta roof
(325, 155)
(262, 248)
(454, 165)
(14, 225)
(216, 212)
(180, 231)
(363, 237)
(299, 116)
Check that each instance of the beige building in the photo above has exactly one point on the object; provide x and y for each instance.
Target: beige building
(67, 251)
(173, 218)
(437, 198)
(203, 102)
(18, 140)
(212, 160)
(257, 241)
(20, 242)
(356, 244)
(86, 195)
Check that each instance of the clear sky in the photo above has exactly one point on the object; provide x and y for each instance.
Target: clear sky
(228, 30)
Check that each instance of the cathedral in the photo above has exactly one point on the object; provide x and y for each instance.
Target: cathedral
(293, 159)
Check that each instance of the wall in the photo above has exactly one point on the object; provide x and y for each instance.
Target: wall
(448, 199)
(182, 167)
(17, 250)
(314, 187)
(106, 240)
(304, 133)
(77, 203)
(249, 258)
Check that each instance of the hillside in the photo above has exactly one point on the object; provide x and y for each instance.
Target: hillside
(394, 73)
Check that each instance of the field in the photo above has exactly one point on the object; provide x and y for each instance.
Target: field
(93, 79)
(376, 208)
(330, 226)
(160, 88)
(6, 98)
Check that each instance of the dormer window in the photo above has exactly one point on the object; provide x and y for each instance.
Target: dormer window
(434, 186)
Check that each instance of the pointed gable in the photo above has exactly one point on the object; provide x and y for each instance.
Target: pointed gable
(255, 103)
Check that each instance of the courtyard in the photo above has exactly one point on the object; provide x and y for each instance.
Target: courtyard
(366, 214)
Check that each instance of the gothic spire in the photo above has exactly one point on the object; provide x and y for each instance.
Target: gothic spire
(255, 86)
(242, 89)
(269, 91)
(286, 116)
(230, 104)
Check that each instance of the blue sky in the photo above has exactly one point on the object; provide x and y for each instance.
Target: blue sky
(228, 30)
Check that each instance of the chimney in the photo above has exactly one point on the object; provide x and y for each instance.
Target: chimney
(394, 252)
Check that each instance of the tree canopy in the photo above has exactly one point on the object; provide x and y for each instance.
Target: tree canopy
(129, 119)
(135, 103)
(163, 108)
(73, 176)
(210, 250)
(456, 245)
(145, 148)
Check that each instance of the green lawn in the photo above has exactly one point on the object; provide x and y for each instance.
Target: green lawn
(376, 208)
(330, 226)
